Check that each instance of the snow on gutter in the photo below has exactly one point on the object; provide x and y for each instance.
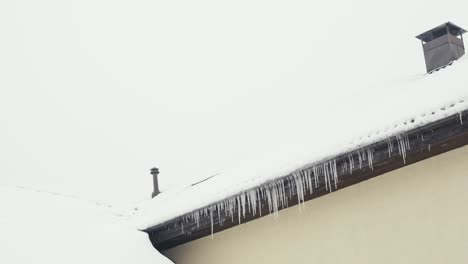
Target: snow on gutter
(433, 98)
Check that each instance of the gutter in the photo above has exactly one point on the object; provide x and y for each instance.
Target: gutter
(315, 180)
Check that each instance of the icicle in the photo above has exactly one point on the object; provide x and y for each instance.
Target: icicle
(402, 145)
(231, 204)
(253, 201)
(407, 141)
(308, 173)
(242, 199)
(351, 163)
(461, 118)
(303, 186)
(279, 189)
(270, 206)
(335, 174)
(327, 177)
(299, 187)
(248, 203)
(370, 158)
(211, 218)
(259, 202)
(239, 209)
(360, 159)
(314, 169)
(305, 180)
(285, 197)
(271, 190)
(225, 205)
(196, 216)
(344, 166)
(390, 147)
(289, 183)
(226, 208)
(292, 184)
(218, 209)
(274, 197)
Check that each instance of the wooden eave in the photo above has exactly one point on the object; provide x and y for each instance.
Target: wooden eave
(425, 142)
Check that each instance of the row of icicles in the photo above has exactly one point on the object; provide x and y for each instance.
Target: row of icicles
(277, 195)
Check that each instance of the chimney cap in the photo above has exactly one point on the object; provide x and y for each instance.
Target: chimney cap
(154, 170)
(440, 31)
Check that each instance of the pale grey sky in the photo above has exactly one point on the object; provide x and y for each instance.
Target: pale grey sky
(95, 93)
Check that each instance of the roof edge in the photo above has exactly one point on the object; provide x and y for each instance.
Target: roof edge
(315, 180)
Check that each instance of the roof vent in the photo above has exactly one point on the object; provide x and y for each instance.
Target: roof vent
(442, 45)
(155, 172)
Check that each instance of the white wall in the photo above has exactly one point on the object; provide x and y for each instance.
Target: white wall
(417, 214)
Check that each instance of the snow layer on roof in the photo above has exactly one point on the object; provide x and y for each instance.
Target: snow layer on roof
(42, 227)
(390, 110)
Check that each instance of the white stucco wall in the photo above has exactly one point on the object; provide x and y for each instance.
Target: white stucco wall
(417, 214)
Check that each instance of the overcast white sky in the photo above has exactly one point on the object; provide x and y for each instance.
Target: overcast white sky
(93, 93)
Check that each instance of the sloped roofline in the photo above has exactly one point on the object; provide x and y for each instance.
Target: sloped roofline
(314, 181)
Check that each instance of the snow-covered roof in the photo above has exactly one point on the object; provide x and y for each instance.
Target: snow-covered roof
(391, 110)
(39, 227)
